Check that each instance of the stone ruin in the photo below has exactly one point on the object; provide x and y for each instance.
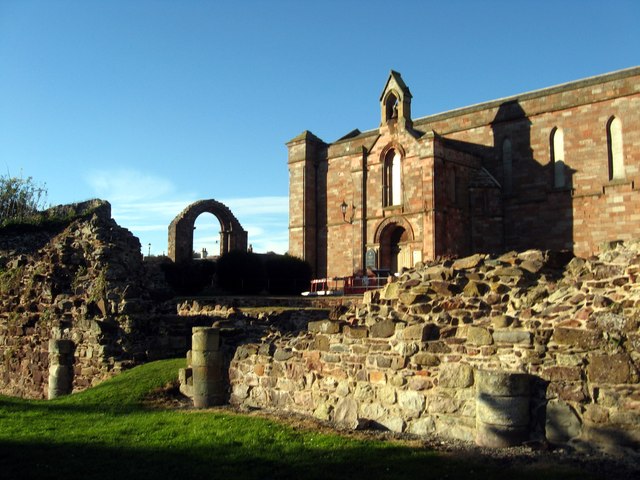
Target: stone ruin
(77, 304)
(524, 347)
(530, 346)
(232, 235)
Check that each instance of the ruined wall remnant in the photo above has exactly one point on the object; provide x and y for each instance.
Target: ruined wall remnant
(232, 235)
(78, 278)
(498, 350)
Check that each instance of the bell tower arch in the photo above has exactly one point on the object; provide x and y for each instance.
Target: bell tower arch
(395, 104)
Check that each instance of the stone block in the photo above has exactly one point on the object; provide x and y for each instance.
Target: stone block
(420, 332)
(378, 377)
(321, 343)
(455, 426)
(346, 413)
(613, 369)
(355, 332)
(422, 426)
(325, 326)
(437, 346)
(425, 359)
(392, 423)
(455, 375)
(475, 289)
(384, 329)
(562, 374)
(513, 337)
(372, 411)
(478, 336)
(583, 339)
(411, 402)
(411, 298)
(562, 423)
(390, 291)
(468, 262)
(387, 395)
(282, 355)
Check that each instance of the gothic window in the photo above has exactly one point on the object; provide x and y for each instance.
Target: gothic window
(557, 157)
(614, 144)
(392, 186)
(507, 166)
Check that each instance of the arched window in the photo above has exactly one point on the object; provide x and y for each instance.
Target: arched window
(614, 144)
(507, 166)
(392, 185)
(557, 157)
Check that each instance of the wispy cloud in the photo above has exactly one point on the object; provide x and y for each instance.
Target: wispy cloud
(127, 185)
(146, 205)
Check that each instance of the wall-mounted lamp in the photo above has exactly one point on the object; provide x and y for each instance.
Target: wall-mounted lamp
(343, 209)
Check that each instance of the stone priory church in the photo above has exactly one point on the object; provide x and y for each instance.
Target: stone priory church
(556, 168)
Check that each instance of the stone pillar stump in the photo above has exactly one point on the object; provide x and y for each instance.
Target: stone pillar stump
(207, 366)
(60, 368)
(502, 408)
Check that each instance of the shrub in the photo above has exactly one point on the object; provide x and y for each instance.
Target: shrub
(20, 198)
(189, 278)
(241, 273)
(249, 273)
(287, 275)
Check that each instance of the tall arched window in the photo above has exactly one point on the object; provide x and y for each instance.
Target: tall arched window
(616, 153)
(392, 185)
(557, 157)
(507, 166)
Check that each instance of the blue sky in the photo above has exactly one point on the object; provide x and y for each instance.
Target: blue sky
(153, 105)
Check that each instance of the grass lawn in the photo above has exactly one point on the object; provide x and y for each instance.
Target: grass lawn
(107, 433)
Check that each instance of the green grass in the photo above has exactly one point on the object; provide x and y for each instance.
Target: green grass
(107, 433)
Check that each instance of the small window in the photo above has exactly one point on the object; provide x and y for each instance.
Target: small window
(557, 157)
(507, 166)
(616, 152)
(392, 186)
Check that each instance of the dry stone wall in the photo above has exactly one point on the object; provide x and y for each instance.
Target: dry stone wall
(531, 346)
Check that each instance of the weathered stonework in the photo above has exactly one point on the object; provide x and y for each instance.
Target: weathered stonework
(554, 356)
(76, 305)
(485, 178)
(180, 242)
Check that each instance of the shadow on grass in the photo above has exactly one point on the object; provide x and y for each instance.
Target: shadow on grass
(238, 461)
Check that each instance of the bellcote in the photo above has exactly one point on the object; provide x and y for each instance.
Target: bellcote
(395, 104)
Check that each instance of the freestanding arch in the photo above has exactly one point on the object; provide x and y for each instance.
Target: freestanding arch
(232, 235)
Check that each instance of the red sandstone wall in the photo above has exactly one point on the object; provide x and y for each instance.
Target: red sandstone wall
(588, 211)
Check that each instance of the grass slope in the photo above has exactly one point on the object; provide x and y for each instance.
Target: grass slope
(107, 433)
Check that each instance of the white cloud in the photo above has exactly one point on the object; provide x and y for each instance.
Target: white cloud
(146, 205)
(127, 185)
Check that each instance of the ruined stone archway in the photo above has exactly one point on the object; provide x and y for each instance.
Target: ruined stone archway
(232, 235)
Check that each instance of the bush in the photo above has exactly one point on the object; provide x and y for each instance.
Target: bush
(241, 273)
(249, 273)
(189, 278)
(287, 275)
(20, 198)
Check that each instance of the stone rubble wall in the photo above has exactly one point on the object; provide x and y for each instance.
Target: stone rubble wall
(409, 358)
(82, 280)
